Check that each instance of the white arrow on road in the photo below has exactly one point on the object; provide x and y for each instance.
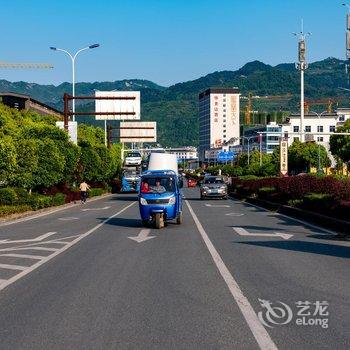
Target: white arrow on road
(37, 239)
(235, 214)
(142, 236)
(243, 232)
(217, 205)
(104, 208)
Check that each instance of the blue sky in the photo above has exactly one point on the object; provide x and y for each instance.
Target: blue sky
(166, 41)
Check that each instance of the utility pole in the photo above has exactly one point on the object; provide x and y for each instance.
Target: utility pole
(301, 65)
(347, 65)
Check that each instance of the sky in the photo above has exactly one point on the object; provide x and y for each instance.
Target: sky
(165, 41)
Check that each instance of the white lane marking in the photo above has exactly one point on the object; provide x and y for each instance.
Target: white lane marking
(88, 209)
(260, 334)
(289, 217)
(64, 207)
(71, 218)
(235, 214)
(25, 256)
(218, 205)
(13, 267)
(57, 252)
(243, 232)
(142, 236)
(29, 248)
(36, 239)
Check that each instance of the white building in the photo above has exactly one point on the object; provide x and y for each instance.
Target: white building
(324, 124)
(218, 118)
(184, 153)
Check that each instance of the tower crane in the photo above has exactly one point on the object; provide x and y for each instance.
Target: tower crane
(25, 65)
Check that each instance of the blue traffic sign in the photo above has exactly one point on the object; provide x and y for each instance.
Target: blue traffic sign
(223, 157)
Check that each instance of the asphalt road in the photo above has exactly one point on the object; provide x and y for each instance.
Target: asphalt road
(74, 279)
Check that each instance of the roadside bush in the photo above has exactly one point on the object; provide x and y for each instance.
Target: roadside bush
(265, 192)
(13, 209)
(22, 193)
(39, 201)
(58, 199)
(96, 192)
(8, 196)
(319, 202)
(297, 203)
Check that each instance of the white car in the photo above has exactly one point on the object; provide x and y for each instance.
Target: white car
(133, 158)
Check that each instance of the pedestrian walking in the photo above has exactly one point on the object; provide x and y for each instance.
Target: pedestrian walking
(84, 187)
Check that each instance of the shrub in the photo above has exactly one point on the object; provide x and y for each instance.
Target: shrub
(22, 193)
(96, 192)
(58, 199)
(39, 201)
(8, 196)
(265, 192)
(320, 202)
(13, 209)
(295, 203)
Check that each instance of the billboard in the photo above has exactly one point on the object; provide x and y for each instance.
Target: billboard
(284, 157)
(131, 107)
(138, 132)
(72, 130)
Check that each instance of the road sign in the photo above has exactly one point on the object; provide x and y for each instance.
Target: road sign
(138, 132)
(129, 103)
(284, 157)
(224, 157)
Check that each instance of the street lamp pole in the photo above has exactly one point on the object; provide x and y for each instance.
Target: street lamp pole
(248, 138)
(73, 57)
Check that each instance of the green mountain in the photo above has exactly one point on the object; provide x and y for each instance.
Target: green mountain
(175, 107)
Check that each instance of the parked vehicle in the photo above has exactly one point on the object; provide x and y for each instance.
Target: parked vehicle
(133, 158)
(213, 186)
(160, 198)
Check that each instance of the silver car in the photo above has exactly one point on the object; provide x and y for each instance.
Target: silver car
(213, 186)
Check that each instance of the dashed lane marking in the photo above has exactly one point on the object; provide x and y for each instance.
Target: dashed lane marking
(25, 256)
(13, 267)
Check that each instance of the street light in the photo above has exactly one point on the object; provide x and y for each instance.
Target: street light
(73, 57)
(319, 115)
(248, 138)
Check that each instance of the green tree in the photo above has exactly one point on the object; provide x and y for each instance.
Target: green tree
(28, 160)
(340, 144)
(8, 159)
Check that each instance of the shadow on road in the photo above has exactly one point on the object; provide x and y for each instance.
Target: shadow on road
(122, 222)
(126, 198)
(306, 247)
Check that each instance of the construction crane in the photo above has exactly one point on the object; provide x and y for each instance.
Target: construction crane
(329, 102)
(25, 65)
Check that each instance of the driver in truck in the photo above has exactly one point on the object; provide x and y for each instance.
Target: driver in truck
(158, 187)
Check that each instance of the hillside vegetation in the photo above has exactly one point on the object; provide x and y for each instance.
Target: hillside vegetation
(175, 107)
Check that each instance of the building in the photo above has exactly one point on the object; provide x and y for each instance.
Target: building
(325, 124)
(272, 139)
(184, 153)
(218, 118)
(25, 102)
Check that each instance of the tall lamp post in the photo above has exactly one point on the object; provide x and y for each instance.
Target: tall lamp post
(319, 115)
(73, 57)
(248, 138)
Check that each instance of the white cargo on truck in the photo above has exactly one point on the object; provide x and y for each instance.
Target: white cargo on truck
(163, 161)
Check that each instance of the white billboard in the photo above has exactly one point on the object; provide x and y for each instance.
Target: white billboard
(72, 130)
(138, 132)
(122, 106)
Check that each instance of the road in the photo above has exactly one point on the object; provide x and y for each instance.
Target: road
(74, 279)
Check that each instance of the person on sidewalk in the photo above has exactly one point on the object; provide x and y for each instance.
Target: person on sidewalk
(84, 187)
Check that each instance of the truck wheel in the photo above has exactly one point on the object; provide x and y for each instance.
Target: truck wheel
(159, 221)
(179, 219)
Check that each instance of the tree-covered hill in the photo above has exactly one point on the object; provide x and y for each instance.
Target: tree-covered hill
(175, 107)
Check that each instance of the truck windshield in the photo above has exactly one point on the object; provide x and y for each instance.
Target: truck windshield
(158, 185)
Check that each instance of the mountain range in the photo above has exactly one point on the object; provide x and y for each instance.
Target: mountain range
(276, 88)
